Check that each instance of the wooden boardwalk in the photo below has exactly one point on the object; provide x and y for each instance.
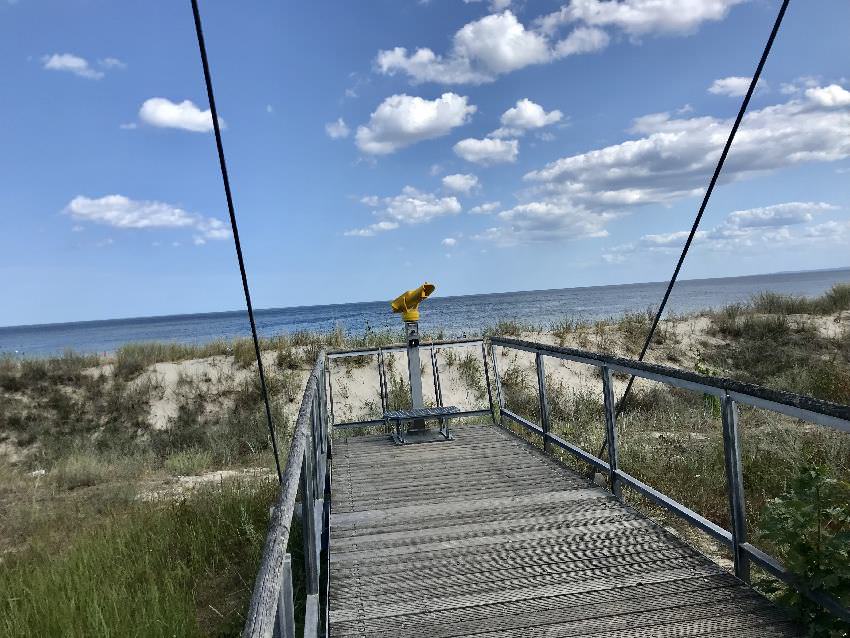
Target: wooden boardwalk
(485, 536)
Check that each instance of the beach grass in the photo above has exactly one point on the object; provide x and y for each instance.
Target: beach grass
(178, 567)
(105, 470)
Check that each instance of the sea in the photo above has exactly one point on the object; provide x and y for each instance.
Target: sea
(454, 316)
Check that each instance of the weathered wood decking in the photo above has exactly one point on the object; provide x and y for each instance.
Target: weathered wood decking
(486, 536)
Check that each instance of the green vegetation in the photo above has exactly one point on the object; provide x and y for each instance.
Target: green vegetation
(179, 567)
(105, 454)
(809, 525)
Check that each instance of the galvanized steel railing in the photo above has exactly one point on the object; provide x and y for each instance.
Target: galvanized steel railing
(730, 393)
(433, 347)
(272, 610)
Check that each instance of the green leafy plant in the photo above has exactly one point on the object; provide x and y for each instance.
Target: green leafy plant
(810, 527)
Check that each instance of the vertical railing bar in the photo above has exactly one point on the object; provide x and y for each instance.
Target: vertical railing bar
(544, 403)
(487, 378)
(331, 392)
(285, 627)
(735, 486)
(308, 522)
(380, 382)
(498, 378)
(438, 394)
(611, 431)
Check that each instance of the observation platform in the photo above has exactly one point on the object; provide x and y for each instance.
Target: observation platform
(487, 536)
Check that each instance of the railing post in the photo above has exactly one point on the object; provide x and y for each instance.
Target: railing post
(735, 486)
(499, 397)
(544, 403)
(487, 376)
(611, 431)
(308, 521)
(285, 622)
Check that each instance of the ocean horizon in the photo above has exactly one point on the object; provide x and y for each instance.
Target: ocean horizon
(456, 316)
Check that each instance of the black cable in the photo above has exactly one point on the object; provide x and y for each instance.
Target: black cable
(226, 180)
(708, 192)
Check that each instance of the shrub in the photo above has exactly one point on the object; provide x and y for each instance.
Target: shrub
(810, 526)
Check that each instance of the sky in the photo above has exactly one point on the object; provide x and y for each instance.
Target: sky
(485, 146)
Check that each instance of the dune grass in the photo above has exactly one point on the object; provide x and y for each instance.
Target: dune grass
(180, 567)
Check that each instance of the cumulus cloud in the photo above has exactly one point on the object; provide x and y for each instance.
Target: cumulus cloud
(461, 183)
(486, 208)
(773, 226)
(832, 96)
(499, 43)
(402, 120)
(672, 157)
(449, 242)
(484, 49)
(641, 17)
(163, 113)
(525, 116)
(411, 206)
(734, 86)
(119, 211)
(487, 151)
(337, 130)
(675, 155)
(71, 64)
(546, 221)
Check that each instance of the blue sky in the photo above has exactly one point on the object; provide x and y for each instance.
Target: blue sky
(485, 146)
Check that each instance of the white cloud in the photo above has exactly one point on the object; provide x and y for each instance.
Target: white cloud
(461, 183)
(486, 208)
(337, 130)
(119, 211)
(495, 5)
(412, 206)
(449, 242)
(546, 221)
(672, 158)
(112, 63)
(72, 64)
(499, 43)
(129, 126)
(734, 86)
(641, 17)
(164, 113)
(526, 115)
(402, 120)
(769, 227)
(582, 40)
(777, 215)
(675, 155)
(487, 151)
(832, 96)
(484, 49)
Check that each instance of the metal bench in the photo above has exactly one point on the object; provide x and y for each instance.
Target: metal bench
(399, 422)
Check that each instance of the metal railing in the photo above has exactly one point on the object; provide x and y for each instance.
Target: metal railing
(730, 393)
(272, 610)
(383, 390)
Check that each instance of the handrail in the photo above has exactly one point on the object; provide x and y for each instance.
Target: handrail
(730, 393)
(267, 607)
(807, 408)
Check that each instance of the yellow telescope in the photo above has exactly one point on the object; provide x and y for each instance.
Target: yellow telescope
(408, 303)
